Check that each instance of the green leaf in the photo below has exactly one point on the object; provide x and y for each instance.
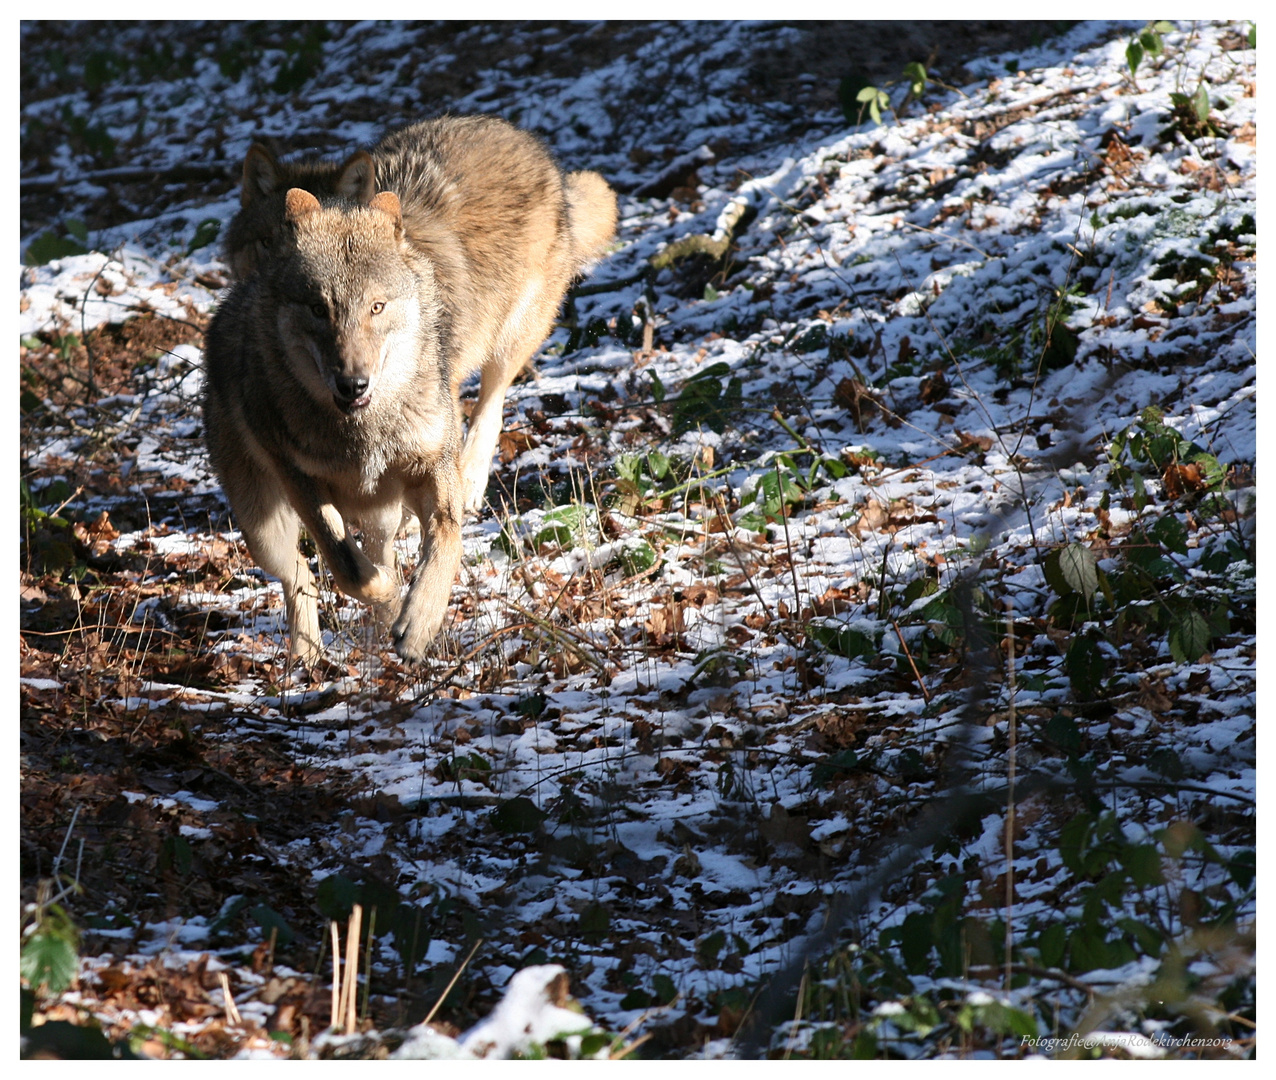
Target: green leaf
(49, 246)
(336, 896)
(709, 948)
(843, 640)
(665, 990)
(1051, 943)
(1134, 56)
(594, 924)
(61, 1040)
(1087, 949)
(1242, 867)
(205, 233)
(517, 815)
(231, 907)
(702, 401)
(1079, 570)
(922, 1016)
(269, 919)
(865, 1046)
(916, 939)
(917, 588)
(77, 229)
(565, 525)
(49, 959)
(466, 767)
(1151, 42)
(835, 768)
(915, 73)
(1085, 666)
(1004, 1020)
(1172, 533)
(531, 705)
(710, 293)
(635, 999)
(1201, 103)
(599, 1041)
(1064, 733)
(657, 388)
(1146, 937)
(1167, 763)
(875, 99)
(636, 556)
(1074, 839)
(176, 855)
(1143, 863)
(1189, 635)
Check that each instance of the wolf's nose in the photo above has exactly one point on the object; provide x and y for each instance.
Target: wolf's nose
(349, 388)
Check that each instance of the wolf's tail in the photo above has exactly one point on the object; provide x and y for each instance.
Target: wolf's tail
(591, 211)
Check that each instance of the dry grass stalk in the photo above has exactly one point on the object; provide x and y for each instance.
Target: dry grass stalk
(448, 989)
(232, 1010)
(336, 972)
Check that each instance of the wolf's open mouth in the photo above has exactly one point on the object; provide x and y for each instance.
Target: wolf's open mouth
(354, 405)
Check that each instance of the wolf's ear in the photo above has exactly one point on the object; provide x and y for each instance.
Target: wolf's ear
(388, 203)
(298, 203)
(358, 178)
(260, 176)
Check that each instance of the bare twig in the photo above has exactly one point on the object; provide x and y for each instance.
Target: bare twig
(452, 982)
(1010, 791)
(911, 662)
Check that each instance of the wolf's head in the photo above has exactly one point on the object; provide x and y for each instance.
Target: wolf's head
(253, 235)
(353, 310)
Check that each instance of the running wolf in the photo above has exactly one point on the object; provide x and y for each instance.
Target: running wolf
(333, 367)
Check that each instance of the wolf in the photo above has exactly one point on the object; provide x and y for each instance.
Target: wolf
(428, 157)
(333, 367)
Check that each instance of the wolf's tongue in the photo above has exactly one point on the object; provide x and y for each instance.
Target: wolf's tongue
(348, 406)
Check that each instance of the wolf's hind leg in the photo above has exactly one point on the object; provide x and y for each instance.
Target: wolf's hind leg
(528, 324)
(379, 528)
(352, 571)
(485, 429)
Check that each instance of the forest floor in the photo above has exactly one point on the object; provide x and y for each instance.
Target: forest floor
(856, 656)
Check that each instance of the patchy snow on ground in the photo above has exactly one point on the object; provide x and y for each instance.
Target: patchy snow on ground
(928, 332)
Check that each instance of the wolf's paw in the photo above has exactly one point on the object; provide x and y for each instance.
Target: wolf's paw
(412, 637)
(306, 651)
(474, 473)
(418, 624)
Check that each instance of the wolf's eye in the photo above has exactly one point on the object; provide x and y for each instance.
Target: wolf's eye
(320, 311)
(378, 307)
(264, 243)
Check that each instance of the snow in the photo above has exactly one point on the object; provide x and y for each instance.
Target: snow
(892, 265)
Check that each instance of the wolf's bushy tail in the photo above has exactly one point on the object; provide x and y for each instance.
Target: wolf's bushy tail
(591, 210)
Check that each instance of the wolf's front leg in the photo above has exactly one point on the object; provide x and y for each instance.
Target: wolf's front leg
(272, 529)
(438, 505)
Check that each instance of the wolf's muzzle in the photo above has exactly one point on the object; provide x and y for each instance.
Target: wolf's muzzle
(351, 393)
